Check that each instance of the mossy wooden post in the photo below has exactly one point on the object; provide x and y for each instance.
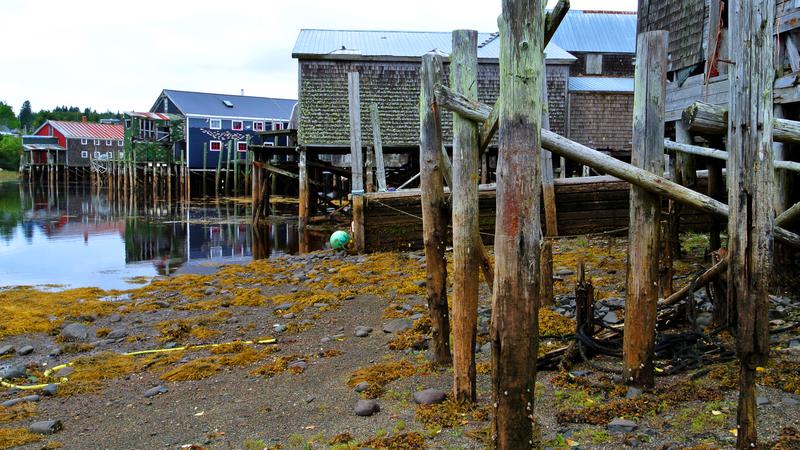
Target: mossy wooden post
(205, 166)
(217, 173)
(369, 175)
(518, 233)
(464, 80)
(549, 200)
(434, 214)
(304, 193)
(377, 142)
(750, 195)
(357, 162)
(645, 209)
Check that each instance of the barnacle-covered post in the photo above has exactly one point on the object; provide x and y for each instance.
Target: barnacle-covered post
(750, 195)
(518, 232)
(645, 209)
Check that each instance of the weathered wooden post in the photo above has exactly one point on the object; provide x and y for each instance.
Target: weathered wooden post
(463, 79)
(434, 214)
(378, 145)
(750, 195)
(357, 163)
(645, 209)
(304, 195)
(518, 233)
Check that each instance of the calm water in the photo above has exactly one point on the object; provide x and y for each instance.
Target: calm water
(76, 238)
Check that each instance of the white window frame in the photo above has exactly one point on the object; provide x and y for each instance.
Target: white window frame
(121, 155)
(241, 125)
(110, 155)
(84, 154)
(246, 146)
(109, 143)
(215, 142)
(120, 143)
(215, 124)
(96, 155)
(258, 125)
(277, 125)
(84, 141)
(97, 142)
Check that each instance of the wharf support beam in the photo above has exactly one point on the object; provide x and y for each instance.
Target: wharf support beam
(713, 119)
(601, 162)
(518, 235)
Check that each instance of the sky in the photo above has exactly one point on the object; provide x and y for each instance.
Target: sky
(119, 56)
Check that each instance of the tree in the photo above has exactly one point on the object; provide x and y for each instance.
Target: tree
(10, 151)
(26, 115)
(7, 117)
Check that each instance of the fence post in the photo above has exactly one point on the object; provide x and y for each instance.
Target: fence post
(357, 162)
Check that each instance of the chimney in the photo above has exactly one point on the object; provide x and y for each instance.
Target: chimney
(83, 119)
(242, 92)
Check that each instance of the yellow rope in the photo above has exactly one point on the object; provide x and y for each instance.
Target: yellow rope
(63, 380)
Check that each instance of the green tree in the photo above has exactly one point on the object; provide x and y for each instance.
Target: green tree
(7, 117)
(10, 151)
(26, 116)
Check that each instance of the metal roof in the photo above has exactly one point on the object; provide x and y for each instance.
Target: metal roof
(29, 147)
(597, 32)
(397, 44)
(88, 130)
(600, 84)
(153, 115)
(244, 106)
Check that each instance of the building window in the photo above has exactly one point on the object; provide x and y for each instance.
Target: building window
(215, 146)
(84, 141)
(96, 155)
(258, 126)
(127, 123)
(594, 63)
(241, 146)
(119, 143)
(109, 143)
(84, 154)
(215, 124)
(277, 125)
(121, 155)
(110, 155)
(97, 142)
(237, 125)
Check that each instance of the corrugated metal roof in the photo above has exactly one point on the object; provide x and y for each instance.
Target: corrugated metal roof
(154, 115)
(597, 32)
(600, 84)
(29, 147)
(397, 44)
(207, 104)
(88, 130)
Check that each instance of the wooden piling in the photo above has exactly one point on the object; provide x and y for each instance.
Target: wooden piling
(463, 79)
(434, 214)
(357, 163)
(377, 143)
(518, 234)
(304, 194)
(369, 184)
(645, 210)
(750, 195)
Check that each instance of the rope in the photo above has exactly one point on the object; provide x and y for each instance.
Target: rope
(63, 380)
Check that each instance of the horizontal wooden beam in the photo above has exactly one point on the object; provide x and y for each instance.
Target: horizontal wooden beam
(279, 171)
(704, 118)
(604, 163)
(720, 154)
(788, 216)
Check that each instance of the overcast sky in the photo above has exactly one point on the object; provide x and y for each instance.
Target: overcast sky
(118, 56)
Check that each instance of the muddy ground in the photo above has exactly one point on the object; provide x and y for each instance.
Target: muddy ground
(300, 392)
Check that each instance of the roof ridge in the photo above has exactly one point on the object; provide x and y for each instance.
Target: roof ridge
(230, 95)
(387, 31)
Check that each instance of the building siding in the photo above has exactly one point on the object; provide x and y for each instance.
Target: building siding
(614, 65)
(200, 135)
(394, 86)
(685, 21)
(602, 121)
(74, 149)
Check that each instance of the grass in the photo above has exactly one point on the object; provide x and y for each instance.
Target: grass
(8, 175)
(381, 374)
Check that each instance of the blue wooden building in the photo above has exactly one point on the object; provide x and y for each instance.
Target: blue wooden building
(213, 122)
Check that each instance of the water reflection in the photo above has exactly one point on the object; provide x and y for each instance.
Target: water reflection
(77, 236)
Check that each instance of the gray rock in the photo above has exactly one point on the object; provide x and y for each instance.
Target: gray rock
(421, 283)
(619, 425)
(209, 291)
(75, 332)
(46, 427)
(362, 331)
(761, 401)
(25, 350)
(170, 344)
(361, 387)
(310, 398)
(50, 390)
(298, 366)
(704, 319)
(282, 307)
(6, 350)
(321, 305)
(794, 343)
(429, 396)
(288, 316)
(564, 272)
(115, 318)
(633, 392)
(279, 328)
(614, 302)
(16, 401)
(416, 316)
(54, 352)
(152, 392)
(12, 372)
(397, 325)
(65, 372)
(486, 348)
(119, 333)
(611, 317)
(366, 408)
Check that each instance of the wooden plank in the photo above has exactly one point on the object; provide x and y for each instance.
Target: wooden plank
(434, 217)
(514, 326)
(378, 146)
(713, 119)
(548, 189)
(645, 211)
(357, 164)
(750, 196)
(303, 190)
(792, 53)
